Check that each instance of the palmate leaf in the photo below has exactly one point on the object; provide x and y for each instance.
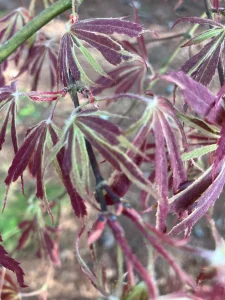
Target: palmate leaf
(30, 152)
(128, 75)
(202, 66)
(200, 99)
(42, 52)
(12, 265)
(184, 199)
(43, 236)
(156, 116)
(204, 191)
(9, 96)
(95, 33)
(201, 206)
(123, 78)
(119, 183)
(76, 160)
(13, 22)
(165, 138)
(77, 201)
(108, 139)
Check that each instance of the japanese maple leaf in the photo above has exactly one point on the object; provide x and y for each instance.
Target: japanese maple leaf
(203, 65)
(130, 75)
(95, 33)
(12, 23)
(42, 52)
(11, 264)
(156, 119)
(45, 236)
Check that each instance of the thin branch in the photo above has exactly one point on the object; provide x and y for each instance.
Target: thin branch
(207, 10)
(167, 38)
(32, 27)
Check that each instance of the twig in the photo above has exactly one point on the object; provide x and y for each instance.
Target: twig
(167, 38)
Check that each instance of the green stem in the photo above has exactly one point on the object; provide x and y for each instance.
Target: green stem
(32, 27)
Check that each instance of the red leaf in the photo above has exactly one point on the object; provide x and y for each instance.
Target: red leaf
(52, 248)
(46, 96)
(122, 242)
(207, 68)
(108, 48)
(160, 159)
(200, 207)
(200, 21)
(65, 59)
(109, 26)
(220, 151)
(41, 52)
(4, 127)
(97, 229)
(12, 265)
(200, 99)
(106, 129)
(76, 200)
(24, 237)
(38, 166)
(179, 173)
(23, 155)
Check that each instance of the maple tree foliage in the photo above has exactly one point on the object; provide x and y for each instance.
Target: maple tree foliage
(11, 264)
(159, 153)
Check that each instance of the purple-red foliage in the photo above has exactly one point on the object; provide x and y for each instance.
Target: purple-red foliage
(162, 138)
(77, 201)
(42, 52)
(43, 236)
(96, 33)
(12, 265)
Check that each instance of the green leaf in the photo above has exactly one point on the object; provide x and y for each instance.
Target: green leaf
(139, 291)
(198, 152)
(85, 163)
(204, 36)
(208, 130)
